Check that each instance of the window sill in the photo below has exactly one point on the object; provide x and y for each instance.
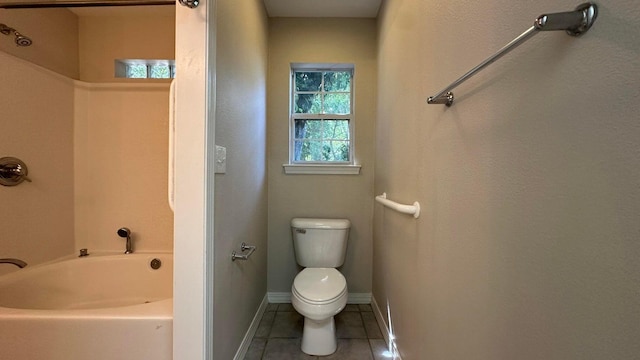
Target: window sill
(317, 169)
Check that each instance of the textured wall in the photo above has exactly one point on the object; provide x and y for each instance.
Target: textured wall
(36, 126)
(240, 193)
(332, 196)
(527, 245)
(55, 38)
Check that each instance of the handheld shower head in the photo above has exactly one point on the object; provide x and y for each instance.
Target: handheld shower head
(22, 40)
(124, 232)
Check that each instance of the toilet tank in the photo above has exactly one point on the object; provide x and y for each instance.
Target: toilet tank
(320, 242)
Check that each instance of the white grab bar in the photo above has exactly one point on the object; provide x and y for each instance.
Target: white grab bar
(405, 209)
(172, 132)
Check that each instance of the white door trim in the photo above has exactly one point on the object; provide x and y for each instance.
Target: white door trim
(194, 182)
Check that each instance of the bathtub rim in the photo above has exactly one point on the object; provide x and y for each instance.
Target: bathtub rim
(162, 309)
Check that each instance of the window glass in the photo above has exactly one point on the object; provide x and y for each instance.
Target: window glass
(337, 81)
(308, 81)
(137, 71)
(159, 72)
(321, 140)
(308, 103)
(337, 103)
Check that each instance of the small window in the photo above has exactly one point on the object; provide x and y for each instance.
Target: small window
(145, 69)
(321, 121)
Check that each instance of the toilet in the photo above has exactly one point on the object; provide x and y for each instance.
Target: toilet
(319, 291)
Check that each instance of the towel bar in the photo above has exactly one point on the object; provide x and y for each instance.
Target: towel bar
(575, 23)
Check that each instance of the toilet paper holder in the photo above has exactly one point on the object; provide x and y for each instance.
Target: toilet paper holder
(243, 247)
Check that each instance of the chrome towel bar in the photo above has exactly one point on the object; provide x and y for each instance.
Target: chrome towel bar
(405, 209)
(243, 247)
(575, 23)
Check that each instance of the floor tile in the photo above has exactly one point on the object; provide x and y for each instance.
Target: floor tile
(351, 349)
(380, 350)
(264, 328)
(256, 349)
(285, 307)
(349, 325)
(279, 335)
(371, 325)
(351, 307)
(285, 349)
(287, 325)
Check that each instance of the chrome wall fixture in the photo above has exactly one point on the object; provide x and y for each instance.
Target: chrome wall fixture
(21, 40)
(190, 3)
(17, 262)
(575, 23)
(13, 171)
(244, 247)
(125, 233)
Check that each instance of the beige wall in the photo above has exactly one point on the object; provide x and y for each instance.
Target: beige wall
(121, 155)
(240, 193)
(36, 126)
(333, 196)
(55, 38)
(123, 35)
(527, 245)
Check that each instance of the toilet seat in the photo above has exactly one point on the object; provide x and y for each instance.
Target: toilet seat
(319, 286)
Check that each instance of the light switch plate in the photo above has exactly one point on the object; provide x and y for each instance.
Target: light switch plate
(221, 160)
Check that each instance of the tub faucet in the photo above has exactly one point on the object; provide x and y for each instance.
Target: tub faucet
(126, 233)
(17, 262)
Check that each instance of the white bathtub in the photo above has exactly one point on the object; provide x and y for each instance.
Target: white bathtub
(99, 307)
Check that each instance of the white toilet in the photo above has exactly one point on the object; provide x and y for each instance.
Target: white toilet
(319, 291)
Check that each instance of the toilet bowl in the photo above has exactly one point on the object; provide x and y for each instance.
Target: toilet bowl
(319, 291)
(319, 294)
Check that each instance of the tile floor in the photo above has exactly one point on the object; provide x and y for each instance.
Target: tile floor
(280, 332)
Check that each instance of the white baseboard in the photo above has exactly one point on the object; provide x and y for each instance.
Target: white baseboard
(386, 333)
(279, 297)
(285, 298)
(248, 336)
(359, 298)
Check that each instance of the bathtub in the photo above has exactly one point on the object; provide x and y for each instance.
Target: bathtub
(99, 307)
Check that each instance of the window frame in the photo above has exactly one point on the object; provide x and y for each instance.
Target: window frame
(321, 167)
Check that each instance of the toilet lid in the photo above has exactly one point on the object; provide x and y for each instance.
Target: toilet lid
(319, 285)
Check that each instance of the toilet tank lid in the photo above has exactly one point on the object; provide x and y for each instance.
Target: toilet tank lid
(310, 223)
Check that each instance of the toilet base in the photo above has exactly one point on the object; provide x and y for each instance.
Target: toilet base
(319, 337)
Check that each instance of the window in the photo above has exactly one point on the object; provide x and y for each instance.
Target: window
(321, 121)
(145, 69)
